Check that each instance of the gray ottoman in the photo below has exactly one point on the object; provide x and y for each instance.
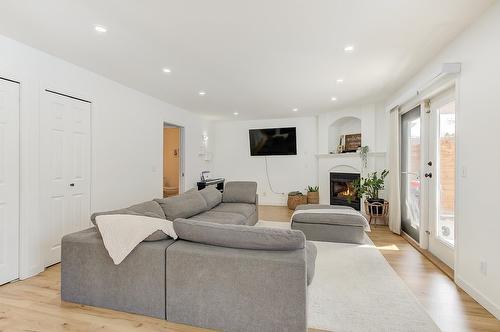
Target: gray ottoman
(344, 225)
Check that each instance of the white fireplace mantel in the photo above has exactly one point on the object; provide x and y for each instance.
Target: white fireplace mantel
(345, 163)
(350, 155)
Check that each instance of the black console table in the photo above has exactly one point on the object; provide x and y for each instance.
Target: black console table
(218, 183)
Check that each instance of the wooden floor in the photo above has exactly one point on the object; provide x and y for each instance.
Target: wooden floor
(34, 304)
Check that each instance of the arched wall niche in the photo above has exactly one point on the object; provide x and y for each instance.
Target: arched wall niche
(342, 126)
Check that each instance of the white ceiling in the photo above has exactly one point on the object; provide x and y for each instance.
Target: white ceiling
(261, 58)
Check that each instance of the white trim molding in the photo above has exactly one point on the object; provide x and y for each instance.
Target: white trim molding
(483, 300)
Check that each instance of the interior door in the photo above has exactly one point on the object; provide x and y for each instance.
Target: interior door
(65, 169)
(441, 176)
(411, 192)
(9, 181)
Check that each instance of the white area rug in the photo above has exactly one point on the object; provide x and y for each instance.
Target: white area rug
(355, 289)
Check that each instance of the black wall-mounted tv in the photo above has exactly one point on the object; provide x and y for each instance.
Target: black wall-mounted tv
(273, 142)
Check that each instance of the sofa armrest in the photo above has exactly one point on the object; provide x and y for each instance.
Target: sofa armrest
(88, 275)
(236, 289)
(240, 192)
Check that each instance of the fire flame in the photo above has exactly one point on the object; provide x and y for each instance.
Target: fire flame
(347, 193)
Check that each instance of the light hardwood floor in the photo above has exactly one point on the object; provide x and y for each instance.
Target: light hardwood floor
(34, 304)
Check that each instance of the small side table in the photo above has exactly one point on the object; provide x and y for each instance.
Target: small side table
(377, 210)
(218, 183)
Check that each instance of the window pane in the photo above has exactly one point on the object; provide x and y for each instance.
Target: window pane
(446, 189)
(410, 172)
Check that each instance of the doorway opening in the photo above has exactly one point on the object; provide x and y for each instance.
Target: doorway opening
(172, 160)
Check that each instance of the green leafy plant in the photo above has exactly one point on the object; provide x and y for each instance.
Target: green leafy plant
(312, 189)
(363, 153)
(371, 185)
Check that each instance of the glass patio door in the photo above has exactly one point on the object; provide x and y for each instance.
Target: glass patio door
(410, 172)
(442, 162)
(428, 175)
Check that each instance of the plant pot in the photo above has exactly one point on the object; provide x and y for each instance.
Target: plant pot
(378, 209)
(312, 197)
(295, 200)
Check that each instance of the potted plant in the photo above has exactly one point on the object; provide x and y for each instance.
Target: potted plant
(312, 195)
(363, 153)
(370, 187)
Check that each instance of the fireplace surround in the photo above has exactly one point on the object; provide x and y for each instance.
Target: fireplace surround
(342, 190)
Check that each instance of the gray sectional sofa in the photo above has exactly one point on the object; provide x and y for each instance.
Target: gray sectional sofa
(222, 273)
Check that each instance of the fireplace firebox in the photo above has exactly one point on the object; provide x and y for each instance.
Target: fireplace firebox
(342, 190)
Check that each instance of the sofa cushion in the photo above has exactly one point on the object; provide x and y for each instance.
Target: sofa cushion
(240, 192)
(227, 218)
(212, 196)
(242, 208)
(239, 236)
(311, 253)
(147, 209)
(183, 206)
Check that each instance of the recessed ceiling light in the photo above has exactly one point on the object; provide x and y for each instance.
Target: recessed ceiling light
(295, 110)
(236, 113)
(100, 28)
(167, 70)
(349, 48)
(202, 93)
(334, 98)
(340, 80)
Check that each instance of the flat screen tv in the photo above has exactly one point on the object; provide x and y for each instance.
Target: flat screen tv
(273, 142)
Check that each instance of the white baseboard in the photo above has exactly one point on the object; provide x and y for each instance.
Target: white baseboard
(272, 200)
(31, 272)
(493, 308)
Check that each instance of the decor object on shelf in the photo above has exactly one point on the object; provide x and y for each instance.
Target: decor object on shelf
(363, 153)
(352, 142)
(370, 186)
(377, 210)
(312, 195)
(296, 198)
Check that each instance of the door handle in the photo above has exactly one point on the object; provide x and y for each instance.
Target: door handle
(428, 175)
(71, 184)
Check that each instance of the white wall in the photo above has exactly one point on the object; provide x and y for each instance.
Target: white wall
(127, 139)
(478, 153)
(232, 158)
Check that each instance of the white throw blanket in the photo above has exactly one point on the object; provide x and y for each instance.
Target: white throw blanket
(121, 233)
(340, 211)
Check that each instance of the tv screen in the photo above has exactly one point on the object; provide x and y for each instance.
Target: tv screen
(273, 142)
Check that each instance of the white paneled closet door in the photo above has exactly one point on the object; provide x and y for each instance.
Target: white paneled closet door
(65, 169)
(9, 181)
